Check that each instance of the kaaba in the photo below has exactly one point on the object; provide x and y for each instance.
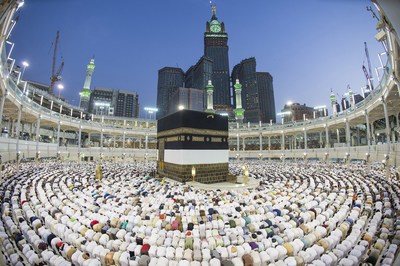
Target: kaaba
(190, 140)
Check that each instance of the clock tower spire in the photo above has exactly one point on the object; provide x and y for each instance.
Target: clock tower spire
(214, 11)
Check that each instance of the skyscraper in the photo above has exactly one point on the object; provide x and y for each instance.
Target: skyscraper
(267, 98)
(258, 92)
(85, 91)
(109, 102)
(188, 98)
(257, 95)
(169, 78)
(127, 104)
(197, 76)
(216, 48)
(245, 72)
(101, 102)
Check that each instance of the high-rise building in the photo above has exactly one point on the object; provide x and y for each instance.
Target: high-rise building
(245, 72)
(257, 92)
(85, 91)
(101, 102)
(186, 98)
(169, 78)
(214, 66)
(297, 112)
(198, 75)
(127, 104)
(345, 104)
(216, 48)
(109, 102)
(267, 98)
(357, 98)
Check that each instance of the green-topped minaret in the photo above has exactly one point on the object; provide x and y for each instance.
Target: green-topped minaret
(85, 91)
(351, 97)
(210, 100)
(333, 102)
(239, 111)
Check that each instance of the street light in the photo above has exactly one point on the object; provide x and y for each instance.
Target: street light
(181, 107)
(151, 110)
(60, 88)
(24, 65)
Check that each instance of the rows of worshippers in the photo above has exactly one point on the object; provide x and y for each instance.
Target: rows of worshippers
(316, 214)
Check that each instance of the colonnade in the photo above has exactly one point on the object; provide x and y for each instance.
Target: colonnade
(324, 141)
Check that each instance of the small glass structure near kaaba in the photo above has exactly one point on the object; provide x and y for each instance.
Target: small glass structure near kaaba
(188, 139)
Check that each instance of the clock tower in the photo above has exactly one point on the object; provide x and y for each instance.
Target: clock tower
(216, 48)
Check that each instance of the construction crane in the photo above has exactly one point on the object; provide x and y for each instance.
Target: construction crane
(369, 8)
(369, 75)
(55, 75)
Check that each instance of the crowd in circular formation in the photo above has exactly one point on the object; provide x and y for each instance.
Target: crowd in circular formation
(315, 214)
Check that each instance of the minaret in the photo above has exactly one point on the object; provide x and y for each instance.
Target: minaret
(239, 111)
(85, 91)
(210, 102)
(333, 102)
(351, 97)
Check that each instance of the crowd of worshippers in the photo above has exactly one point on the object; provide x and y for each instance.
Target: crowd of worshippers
(300, 214)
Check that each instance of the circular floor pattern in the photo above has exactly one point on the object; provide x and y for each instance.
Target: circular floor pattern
(315, 214)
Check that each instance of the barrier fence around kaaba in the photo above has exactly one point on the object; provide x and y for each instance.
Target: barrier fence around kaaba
(193, 146)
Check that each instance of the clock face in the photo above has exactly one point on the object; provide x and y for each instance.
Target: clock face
(215, 28)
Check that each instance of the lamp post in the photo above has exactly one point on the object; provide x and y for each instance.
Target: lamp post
(60, 88)
(24, 65)
(193, 173)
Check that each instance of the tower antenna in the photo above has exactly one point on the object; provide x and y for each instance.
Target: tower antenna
(214, 10)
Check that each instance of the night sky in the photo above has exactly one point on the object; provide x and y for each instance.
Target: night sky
(308, 47)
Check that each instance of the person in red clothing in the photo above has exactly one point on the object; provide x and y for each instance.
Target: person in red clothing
(93, 223)
(145, 249)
